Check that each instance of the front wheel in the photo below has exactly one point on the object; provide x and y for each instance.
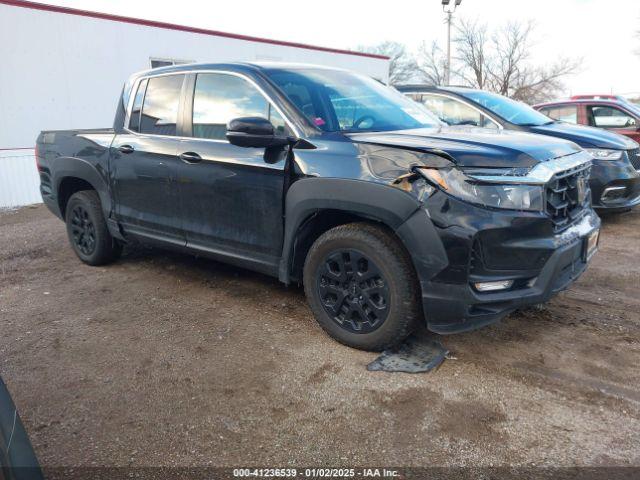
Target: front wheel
(87, 229)
(361, 286)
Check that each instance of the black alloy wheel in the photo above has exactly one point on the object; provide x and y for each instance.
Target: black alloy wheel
(87, 229)
(353, 291)
(361, 286)
(83, 230)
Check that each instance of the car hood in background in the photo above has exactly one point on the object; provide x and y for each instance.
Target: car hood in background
(587, 137)
(475, 147)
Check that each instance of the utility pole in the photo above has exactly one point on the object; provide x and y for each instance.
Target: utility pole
(449, 9)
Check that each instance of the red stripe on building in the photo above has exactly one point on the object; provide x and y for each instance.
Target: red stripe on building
(181, 28)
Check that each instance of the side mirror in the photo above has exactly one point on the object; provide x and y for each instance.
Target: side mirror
(254, 132)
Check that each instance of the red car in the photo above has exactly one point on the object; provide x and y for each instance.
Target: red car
(612, 112)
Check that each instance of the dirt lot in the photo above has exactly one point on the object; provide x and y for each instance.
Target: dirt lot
(163, 359)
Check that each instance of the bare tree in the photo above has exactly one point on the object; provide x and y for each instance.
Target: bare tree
(402, 65)
(432, 64)
(472, 45)
(508, 65)
(512, 73)
(511, 49)
(538, 84)
(502, 62)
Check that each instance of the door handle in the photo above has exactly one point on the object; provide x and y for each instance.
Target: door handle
(126, 149)
(190, 157)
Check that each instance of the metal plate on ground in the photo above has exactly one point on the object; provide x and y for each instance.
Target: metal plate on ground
(415, 355)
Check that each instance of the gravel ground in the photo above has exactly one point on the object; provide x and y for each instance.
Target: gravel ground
(166, 360)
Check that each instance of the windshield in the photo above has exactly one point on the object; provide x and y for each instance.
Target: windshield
(515, 112)
(337, 101)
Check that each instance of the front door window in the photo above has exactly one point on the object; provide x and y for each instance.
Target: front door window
(454, 112)
(219, 98)
(610, 117)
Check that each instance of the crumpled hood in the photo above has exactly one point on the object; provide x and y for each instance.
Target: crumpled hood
(475, 147)
(586, 137)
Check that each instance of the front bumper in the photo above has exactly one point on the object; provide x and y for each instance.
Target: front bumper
(484, 245)
(615, 185)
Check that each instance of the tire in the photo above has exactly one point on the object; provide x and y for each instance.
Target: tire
(361, 286)
(87, 230)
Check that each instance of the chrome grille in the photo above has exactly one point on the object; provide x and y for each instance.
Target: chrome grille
(567, 196)
(634, 158)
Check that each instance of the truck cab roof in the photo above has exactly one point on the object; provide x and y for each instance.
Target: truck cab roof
(241, 67)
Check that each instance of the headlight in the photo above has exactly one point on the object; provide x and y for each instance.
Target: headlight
(416, 185)
(488, 194)
(604, 154)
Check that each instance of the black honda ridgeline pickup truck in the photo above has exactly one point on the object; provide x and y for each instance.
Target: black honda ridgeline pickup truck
(330, 179)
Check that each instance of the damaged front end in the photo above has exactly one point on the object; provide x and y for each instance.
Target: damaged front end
(513, 237)
(559, 187)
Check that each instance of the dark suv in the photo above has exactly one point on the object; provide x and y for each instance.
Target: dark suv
(615, 181)
(330, 179)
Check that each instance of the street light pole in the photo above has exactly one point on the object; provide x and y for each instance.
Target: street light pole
(449, 9)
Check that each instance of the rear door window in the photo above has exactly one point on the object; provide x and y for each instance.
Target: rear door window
(219, 98)
(160, 108)
(563, 113)
(134, 120)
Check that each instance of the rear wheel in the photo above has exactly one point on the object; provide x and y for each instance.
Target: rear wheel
(87, 229)
(361, 286)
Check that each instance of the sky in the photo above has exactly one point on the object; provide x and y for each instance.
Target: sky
(601, 32)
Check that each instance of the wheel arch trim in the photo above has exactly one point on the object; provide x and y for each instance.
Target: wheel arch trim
(73, 167)
(390, 206)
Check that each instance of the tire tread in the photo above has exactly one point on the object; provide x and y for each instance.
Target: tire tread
(107, 248)
(396, 258)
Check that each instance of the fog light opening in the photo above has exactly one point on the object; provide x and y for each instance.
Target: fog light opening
(493, 286)
(611, 194)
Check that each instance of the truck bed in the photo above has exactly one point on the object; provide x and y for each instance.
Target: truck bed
(72, 153)
(69, 142)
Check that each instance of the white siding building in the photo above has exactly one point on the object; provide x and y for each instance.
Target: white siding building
(64, 68)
